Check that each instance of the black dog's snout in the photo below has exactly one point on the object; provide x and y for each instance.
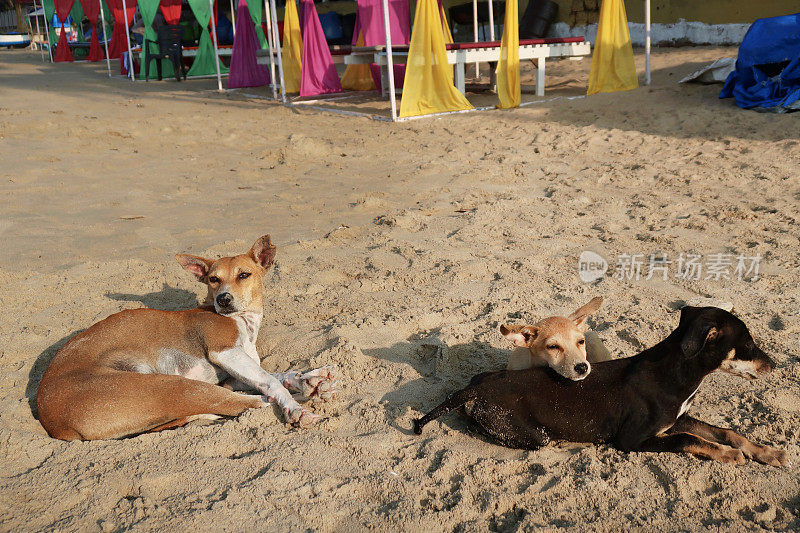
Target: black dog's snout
(581, 368)
(224, 299)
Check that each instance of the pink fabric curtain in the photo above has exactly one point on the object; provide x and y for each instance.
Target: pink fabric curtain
(370, 19)
(245, 70)
(318, 75)
(63, 53)
(91, 8)
(356, 30)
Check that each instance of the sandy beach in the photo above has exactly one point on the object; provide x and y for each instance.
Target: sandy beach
(401, 248)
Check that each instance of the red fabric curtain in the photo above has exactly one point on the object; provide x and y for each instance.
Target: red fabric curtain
(171, 9)
(119, 37)
(91, 8)
(63, 53)
(214, 17)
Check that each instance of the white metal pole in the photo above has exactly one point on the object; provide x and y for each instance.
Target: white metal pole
(647, 42)
(47, 32)
(105, 37)
(38, 28)
(276, 39)
(389, 59)
(131, 67)
(233, 20)
(271, 47)
(475, 30)
(491, 20)
(216, 52)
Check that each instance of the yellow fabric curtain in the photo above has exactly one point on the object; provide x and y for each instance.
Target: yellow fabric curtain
(292, 48)
(358, 77)
(508, 85)
(448, 37)
(428, 86)
(612, 68)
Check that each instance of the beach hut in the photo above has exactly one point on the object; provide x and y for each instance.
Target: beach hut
(206, 54)
(386, 57)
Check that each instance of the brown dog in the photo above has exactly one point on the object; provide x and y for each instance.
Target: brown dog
(146, 370)
(560, 342)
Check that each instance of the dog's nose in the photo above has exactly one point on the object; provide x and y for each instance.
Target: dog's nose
(224, 299)
(581, 368)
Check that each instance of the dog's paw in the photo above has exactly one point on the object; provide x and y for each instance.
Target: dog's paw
(319, 384)
(731, 456)
(302, 417)
(771, 456)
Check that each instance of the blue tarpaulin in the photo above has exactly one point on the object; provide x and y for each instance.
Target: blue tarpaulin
(767, 71)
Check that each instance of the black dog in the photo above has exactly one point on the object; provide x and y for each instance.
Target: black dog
(635, 404)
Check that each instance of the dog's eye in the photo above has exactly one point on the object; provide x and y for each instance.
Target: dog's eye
(244, 275)
(553, 347)
(213, 279)
(581, 342)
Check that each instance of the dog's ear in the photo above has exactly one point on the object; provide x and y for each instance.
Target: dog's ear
(263, 252)
(521, 336)
(199, 266)
(580, 315)
(697, 336)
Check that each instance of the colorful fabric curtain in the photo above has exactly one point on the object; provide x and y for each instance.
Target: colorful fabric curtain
(429, 85)
(245, 70)
(171, 9)
(63, 52)
(448, 37)
(49, 10)
(358, 77)
(92, 10)
(318, 74)
(77, 15)
(109, 25)
(612, 67)
(370, 15)
(148, 10)
(119, 37)
(204, 60)
(256, 15)
(508, 85)
(292, 51)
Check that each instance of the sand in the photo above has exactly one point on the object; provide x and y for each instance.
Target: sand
(401, 248)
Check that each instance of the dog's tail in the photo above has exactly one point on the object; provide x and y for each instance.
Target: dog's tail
(456, 400)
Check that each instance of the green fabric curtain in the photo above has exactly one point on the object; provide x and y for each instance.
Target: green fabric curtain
(109, 22)
(148, 9)
(49, 11)
(204, 61)
(254, 6)
(77, 16)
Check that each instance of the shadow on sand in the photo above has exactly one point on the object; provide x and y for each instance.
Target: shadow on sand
(167, 299)
(601, 111)
(38, 368)
(444, 369)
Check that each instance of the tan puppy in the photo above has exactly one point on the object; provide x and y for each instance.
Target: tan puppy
(146, 370)
(562, 343)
